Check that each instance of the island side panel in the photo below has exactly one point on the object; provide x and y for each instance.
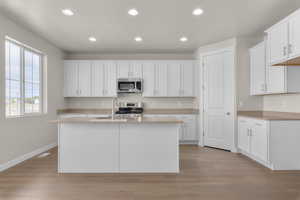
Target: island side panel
(88, 148)
(149, 148)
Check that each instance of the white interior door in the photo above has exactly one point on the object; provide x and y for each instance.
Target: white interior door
(219, 99)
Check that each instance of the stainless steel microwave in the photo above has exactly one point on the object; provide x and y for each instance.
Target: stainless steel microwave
(132, 85)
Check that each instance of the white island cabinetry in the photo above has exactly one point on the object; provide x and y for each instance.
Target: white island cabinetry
(89, 145)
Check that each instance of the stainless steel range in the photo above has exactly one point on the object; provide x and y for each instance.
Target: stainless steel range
(130, 109)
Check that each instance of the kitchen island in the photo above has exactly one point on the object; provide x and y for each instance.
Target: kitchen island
(99, 145)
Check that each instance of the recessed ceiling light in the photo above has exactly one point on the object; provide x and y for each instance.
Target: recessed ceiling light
(183, 39)
(198, 11)
(133, 12)
(92, 39)
(138, 39)
(67, 12)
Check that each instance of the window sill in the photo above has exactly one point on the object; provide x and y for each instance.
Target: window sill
(26, 116)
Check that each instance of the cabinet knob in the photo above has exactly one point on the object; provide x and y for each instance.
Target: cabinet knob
(228, 113)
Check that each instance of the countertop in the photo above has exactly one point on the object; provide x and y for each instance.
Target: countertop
(110, 120)
(146, 111)
(270, 115)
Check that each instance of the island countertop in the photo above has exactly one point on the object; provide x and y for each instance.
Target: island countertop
(118, 120)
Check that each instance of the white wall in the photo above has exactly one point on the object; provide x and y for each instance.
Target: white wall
(245, 101)
(23, 135)
(282, 103)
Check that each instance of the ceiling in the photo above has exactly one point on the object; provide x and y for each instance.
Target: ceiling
(161, 22)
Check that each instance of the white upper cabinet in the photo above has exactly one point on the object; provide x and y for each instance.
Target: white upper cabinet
(258, 69)
(179, 78)
(148, 79)
(84, 78)
(174, 79)
(130, 69)
(267, 79)
(104, 81)
(284, 40)
(294, 35)
(110, 79)
(123, 69)
(161, 83)
(70, 78)
(188, 79)
(278, 43)
(97, 78)
(77, 77)
(136, 69)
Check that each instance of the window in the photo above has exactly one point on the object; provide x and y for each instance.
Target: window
(23, 83)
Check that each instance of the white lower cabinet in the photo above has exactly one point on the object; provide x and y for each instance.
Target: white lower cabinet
(188, 131)
(253, 139)
(270, 142)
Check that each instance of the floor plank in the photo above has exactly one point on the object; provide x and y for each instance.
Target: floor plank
(206, 173)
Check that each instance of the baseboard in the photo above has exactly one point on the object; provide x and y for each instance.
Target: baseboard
(265, 164)
(27, 156)
(191, 142)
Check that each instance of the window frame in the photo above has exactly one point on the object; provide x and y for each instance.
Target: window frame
(24, 48)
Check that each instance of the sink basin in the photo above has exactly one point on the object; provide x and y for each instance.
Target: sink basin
(108, 117)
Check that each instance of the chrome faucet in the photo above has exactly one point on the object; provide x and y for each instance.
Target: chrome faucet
(113, 103)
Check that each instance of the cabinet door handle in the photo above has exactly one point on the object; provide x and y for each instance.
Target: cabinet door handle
(258, 124)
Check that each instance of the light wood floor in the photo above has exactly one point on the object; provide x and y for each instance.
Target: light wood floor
(206, 174)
